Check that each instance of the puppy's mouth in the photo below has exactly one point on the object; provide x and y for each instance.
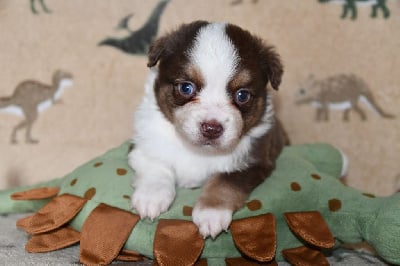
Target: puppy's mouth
(211, 143)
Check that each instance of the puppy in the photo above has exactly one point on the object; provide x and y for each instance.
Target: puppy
(206, 119)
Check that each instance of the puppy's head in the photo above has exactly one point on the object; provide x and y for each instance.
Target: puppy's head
(212, 82)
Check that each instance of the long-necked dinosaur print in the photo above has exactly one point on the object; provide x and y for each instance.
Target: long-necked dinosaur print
(139, 40)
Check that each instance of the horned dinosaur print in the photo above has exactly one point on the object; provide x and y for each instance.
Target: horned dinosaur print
(32, 97)
(139, 40)
(350, 7)
(42, 4)
(338, 92)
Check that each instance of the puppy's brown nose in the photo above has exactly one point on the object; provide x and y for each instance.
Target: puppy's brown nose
(211, 129)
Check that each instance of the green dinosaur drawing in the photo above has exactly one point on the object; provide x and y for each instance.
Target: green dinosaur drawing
(43, 5)
(350, 7)
(298, 214)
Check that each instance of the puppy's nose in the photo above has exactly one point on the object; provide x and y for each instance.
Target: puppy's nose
(211, 129)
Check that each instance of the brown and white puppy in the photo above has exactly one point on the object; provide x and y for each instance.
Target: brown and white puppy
(206, 119)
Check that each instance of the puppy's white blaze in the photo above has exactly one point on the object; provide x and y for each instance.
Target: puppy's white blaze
(214, 54)
(215, 57)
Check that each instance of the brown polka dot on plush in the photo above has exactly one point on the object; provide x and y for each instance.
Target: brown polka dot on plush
(316, 177)
(187, 210)
(98, 164)
(335, 205)
(126, 197)
(254, 205)
(121, 171)
(369, 195)
(73, 182)
(295, 186)
(89, 194)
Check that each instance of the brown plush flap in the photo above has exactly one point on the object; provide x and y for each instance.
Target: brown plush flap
(245, 262)
(311, 227)
(54, 214)
(53, 240)
(303, 256)
(256, 237)
(177, 242)
(130, 255)
(36, 193)
(104, 233)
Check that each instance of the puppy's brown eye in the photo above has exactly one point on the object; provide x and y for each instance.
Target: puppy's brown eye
(242, 96)
(186, 89)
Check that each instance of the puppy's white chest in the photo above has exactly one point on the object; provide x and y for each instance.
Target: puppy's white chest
(194, 170)
(190, 177)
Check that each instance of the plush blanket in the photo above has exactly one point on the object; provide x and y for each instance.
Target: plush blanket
(318, 158)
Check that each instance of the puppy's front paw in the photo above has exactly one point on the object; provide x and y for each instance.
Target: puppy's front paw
(152, 202)
(211, 221)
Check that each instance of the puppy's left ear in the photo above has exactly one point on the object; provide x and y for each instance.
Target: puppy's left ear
(156, 51)
(272, 66)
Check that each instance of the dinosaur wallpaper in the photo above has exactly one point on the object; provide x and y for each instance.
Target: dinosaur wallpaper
(72, 73)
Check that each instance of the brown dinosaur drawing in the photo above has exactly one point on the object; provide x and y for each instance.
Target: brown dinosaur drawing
(338, 92)
(32, 97)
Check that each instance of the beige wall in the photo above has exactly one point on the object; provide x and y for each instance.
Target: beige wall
(96, 113)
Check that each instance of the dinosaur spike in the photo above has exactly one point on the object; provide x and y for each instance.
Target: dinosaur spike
(170, 243)
(104, 233)
(130, 255)
(36, 193)
(53, 215)
(202, 262)
(53, 240)
(311, 227)
(304, 256)
(246, 262)
(256, 237)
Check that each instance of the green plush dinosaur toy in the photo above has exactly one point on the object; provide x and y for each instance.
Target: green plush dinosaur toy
(301, 211)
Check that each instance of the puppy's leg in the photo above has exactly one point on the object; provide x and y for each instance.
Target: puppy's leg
(222, 195)
(154, 185)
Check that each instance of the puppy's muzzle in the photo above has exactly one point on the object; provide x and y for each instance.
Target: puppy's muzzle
(211, 129)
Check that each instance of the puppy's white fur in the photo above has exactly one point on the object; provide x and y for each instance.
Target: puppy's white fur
(167, 155)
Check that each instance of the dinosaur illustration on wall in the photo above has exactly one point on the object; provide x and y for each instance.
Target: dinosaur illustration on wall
(338, 92)
(139, 40)
(123, 24)
(350, 6)
(32, 97)
(44, 7)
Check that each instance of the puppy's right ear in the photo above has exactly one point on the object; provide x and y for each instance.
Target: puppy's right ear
(156, 51)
